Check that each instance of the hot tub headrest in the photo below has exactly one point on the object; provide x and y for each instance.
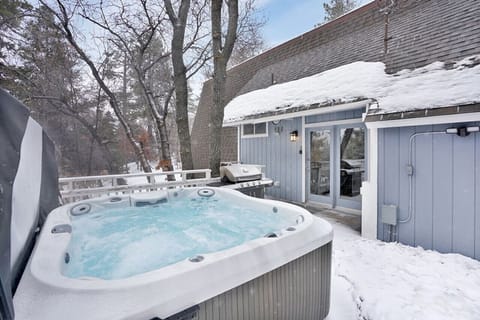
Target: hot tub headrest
(149, 198)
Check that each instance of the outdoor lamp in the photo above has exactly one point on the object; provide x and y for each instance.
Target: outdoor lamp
(293, 136)
(462, 131)
(473, 129)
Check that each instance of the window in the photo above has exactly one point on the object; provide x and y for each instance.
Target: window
(254, 130)
(248, 129)
(261, 128)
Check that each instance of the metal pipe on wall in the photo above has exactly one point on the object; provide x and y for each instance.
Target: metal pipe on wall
(410, 172)
(411, 168)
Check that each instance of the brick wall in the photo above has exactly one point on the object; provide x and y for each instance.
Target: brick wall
(419, 32)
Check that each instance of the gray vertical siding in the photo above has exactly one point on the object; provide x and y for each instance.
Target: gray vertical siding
(446, 186)
(281, 158)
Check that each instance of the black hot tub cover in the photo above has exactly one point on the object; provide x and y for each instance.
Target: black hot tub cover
(28, 191)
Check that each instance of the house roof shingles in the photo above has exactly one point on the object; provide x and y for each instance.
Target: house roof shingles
(419, 33)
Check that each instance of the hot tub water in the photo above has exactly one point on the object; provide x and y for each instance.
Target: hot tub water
(119, 243)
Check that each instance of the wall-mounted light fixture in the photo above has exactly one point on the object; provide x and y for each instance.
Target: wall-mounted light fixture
(473, 129)
(463, 131)
(293, 136)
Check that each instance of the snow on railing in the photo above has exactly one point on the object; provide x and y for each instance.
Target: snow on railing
(79, 188)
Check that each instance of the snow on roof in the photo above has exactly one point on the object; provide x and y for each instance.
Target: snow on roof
(435, 85)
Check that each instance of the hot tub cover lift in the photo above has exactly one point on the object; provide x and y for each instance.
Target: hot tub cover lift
(14, 119)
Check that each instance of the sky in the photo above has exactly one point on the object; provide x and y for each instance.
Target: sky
(287, 19)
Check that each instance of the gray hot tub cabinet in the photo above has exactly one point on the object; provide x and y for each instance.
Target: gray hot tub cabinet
(298, 290)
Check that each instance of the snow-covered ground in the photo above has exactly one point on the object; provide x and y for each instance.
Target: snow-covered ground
(388, 281)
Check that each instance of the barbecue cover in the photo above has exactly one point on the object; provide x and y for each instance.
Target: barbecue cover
(28, 192)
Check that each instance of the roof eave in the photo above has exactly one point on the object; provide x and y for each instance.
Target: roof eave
(421, 113)
(451, 114)
(312, 109)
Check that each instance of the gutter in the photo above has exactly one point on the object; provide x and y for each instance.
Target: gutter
(313, 109)
(441, 111)
(452, 114)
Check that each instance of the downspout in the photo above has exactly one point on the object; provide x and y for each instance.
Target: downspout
(369, 190)
(239, 146)
(304, 165)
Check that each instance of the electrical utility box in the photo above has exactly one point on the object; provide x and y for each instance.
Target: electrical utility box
(389, 214)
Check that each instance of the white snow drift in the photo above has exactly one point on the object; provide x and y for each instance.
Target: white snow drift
(431, 86)
(389, 281)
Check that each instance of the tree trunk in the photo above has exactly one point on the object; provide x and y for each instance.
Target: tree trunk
(159, 120)
(164, 143)
(221, 55)
(216, 116)
(181, 110)
(166, 158)
(180, 80)
(165, 148)
(124, 83)
(137, 148)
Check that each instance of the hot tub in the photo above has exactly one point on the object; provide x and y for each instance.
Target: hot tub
(277, 270)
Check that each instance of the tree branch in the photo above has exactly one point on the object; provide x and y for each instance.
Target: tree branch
(232, 29)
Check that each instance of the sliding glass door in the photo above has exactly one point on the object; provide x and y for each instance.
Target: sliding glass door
(350, 166)
(319, 165)
(336, 165)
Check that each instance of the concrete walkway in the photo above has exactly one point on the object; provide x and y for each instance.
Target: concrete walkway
(348, 219)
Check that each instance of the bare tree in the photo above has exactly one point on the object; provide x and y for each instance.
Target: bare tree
(249, 41)
(191, 38)
(179, 22)
(336, 8)
(222, 48)
(134, 35)
(53, 82)
(134, 29)
(65, 27)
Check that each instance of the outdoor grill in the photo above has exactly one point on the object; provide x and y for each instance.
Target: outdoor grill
(246, 178)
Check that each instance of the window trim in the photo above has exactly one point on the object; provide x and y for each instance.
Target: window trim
(254, 135)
